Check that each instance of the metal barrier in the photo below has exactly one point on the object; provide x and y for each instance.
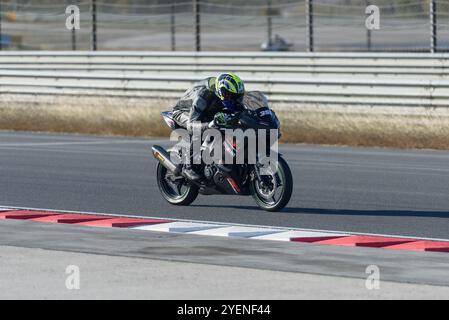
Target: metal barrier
(346, 78)
(232, 25)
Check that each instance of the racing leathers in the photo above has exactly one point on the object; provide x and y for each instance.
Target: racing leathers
(198, 105)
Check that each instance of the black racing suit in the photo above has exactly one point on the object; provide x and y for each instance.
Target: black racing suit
(198, 104)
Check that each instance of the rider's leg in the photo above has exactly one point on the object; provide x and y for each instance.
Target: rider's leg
(182, 119)
(195, 151)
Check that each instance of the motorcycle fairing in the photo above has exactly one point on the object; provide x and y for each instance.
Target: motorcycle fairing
(168, 118)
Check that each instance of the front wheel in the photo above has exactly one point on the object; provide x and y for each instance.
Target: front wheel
(176, 190)
(273, 192)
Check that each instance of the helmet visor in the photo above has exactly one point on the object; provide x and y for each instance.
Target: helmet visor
(230, 96)
(230, 99)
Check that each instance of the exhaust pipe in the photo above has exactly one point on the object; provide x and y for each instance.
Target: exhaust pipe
(164, 158)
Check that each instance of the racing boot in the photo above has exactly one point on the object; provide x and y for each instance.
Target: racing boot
(190, 173)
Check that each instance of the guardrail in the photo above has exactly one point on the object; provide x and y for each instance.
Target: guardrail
(285, 64)
(345, 78)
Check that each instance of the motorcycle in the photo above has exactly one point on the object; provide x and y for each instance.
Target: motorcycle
(271, 192)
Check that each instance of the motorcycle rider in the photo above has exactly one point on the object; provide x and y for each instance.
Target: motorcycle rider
(202, 102)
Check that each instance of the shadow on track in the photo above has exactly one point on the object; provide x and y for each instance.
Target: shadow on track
(345, 212)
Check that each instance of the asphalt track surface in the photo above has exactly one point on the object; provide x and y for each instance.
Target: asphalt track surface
(381, 191)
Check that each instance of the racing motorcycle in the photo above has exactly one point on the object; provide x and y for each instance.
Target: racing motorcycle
(270, 191)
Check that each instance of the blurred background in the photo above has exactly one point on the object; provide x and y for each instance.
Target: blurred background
(232, 25)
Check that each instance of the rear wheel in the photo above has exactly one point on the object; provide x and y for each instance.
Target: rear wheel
(273, 192)
(175, 189)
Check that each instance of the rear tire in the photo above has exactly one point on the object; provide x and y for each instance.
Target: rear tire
(183, 198)
(286, 177)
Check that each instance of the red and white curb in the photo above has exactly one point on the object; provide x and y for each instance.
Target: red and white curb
(225, 230)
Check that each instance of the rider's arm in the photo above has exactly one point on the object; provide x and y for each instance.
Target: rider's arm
(196, 111)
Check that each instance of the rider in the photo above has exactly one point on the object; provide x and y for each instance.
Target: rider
(202, 102)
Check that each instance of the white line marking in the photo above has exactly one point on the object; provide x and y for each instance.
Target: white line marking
(237, 231)
(208, 229)
(79, 151)
(193, 229)
(39, 144)
(180, 227)
(287, 235)
(227, 224)
(251, 234)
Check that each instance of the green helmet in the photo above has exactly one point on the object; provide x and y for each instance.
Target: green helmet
(230, 89)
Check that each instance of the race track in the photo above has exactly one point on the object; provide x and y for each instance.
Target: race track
(380, 191)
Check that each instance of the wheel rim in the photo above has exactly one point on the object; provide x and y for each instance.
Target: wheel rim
(270, 190)
(174, 188)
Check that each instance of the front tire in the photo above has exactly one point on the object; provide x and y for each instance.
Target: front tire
(178, 192)
(265, 197)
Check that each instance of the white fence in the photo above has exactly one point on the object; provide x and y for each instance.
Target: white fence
(340, 78)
